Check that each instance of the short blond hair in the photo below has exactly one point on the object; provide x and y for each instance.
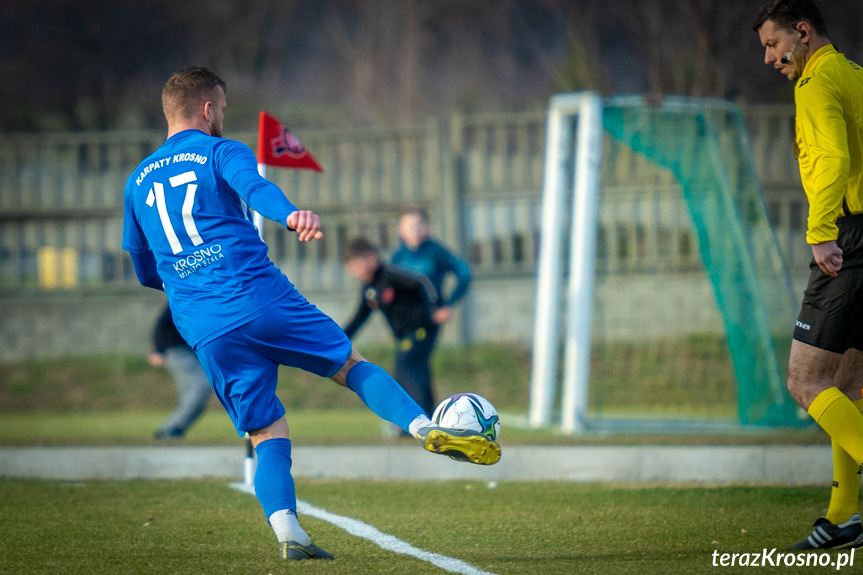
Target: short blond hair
(186, 90)
(418, 211)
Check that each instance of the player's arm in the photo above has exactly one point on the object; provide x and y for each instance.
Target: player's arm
(238, 167)
(161, 335)
(146, 270)
(460, 269)
(135, 242)
(360, 316)
(821, 123)
(162, 331)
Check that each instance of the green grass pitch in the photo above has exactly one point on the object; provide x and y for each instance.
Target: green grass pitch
(516, 528)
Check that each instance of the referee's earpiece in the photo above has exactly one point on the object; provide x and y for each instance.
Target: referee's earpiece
(788, 56)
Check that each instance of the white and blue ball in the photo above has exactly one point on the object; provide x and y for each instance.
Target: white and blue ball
(468, 411)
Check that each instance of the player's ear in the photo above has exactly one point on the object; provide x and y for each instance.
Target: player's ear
(804, 30)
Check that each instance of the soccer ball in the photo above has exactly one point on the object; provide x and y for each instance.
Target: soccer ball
(468, 411)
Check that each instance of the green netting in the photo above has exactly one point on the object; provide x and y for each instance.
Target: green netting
(704, 147)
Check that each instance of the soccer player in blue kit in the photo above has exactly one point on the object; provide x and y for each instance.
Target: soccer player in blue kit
(187, 229)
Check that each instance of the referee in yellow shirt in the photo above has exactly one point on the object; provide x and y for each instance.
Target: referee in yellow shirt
(825, 370)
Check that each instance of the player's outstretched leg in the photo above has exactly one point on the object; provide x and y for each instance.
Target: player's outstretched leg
(388, 400)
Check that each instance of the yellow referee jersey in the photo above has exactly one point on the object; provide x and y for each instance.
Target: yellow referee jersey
(829, 140)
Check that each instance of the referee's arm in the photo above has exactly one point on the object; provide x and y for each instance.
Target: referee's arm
(822, 128)
(825, 168)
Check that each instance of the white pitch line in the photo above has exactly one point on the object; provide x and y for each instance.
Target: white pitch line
(384, 540)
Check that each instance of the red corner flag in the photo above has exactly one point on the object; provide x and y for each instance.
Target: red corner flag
(277, 146)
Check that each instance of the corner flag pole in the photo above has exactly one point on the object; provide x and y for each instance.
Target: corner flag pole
(249, 461)
(257, 218)
(276, 147)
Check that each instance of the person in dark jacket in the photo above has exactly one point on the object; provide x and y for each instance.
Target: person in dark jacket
(170, 350)
(405, 299)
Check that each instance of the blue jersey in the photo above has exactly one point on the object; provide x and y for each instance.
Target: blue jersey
(187, 203)
(435, 261)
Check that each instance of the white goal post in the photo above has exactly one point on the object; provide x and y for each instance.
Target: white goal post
(577, 115)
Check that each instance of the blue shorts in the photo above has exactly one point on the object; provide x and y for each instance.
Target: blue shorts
(243, 364)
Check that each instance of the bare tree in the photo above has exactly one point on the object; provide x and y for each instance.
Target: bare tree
(95, 64)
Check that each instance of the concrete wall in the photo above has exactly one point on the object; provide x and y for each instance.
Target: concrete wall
(779, 464)
(82, 323)
(76, 323)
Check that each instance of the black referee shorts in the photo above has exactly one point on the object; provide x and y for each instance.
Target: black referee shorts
(831, 315)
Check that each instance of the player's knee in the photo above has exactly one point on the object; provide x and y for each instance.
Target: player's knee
(804, 389)
(277, 430)
(341, 376)
(796, 389)
(811, 370)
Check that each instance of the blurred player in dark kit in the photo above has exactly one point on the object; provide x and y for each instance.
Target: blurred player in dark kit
(405, 300)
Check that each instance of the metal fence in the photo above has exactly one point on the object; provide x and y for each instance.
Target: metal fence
(479, 175)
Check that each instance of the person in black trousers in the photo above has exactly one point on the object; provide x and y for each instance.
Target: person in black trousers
(170, 350)
(404, 297)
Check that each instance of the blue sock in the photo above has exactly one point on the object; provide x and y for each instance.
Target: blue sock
(274, 485)
(382, 394)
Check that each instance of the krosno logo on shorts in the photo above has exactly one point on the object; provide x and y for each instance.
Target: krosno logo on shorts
(197, 260)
